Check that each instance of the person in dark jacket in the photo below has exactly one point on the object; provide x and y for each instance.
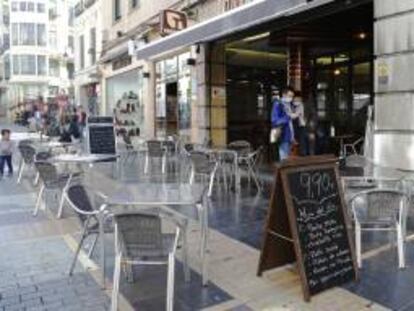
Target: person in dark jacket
(281, 119)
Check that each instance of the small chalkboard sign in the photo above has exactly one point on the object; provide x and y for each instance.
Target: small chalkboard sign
(307, 222)
(101, 135)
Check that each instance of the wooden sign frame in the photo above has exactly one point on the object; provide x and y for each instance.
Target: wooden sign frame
(281, 243)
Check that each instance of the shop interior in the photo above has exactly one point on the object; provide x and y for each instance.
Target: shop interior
(329, 61)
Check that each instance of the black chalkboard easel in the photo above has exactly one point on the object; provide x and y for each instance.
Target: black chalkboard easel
(307, 223)
(101, 136)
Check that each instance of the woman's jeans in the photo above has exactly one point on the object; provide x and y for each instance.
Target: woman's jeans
(284, 150)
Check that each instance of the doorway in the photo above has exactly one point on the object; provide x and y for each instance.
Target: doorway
(172, 108)
(327, 59)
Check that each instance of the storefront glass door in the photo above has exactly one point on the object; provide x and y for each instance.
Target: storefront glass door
(173, 96)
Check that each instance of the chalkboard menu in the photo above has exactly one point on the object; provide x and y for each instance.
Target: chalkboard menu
(307, 222)
(101, 139)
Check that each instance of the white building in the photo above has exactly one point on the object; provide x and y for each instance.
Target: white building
(37, 49)
(88, 47)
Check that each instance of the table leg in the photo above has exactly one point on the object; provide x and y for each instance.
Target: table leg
(237, 174)
(204, 242)
(101, 219)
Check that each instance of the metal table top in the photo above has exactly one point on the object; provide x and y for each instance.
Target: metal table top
(156, 194)
(83, 158)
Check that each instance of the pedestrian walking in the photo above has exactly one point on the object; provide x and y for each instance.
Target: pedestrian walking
(282, 128)
(6, 151)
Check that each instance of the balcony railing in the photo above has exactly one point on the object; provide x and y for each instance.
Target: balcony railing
(88, 3)
(232, 4)
(79, 8)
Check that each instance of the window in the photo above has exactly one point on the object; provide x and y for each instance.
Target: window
(54, 68)
(7, 67)
(23, 6)
(71, 43)
(41, 65)
(15, 33)
(41, 35)
(92, 48)
(117, 9)
(14, 6)
(6, 41)
(81, 52)
(16, 65)
(134, 3)
(71, 71)
(27, 34)
(30, 7)
(27, 64)
(41, 8)
(53, 39)
(71, 16)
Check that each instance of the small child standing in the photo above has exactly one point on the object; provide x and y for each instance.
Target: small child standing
(6, 151)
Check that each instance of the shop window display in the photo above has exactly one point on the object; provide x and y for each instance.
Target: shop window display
(124, 95)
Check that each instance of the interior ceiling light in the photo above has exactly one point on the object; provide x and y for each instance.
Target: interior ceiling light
(256, 38)
(337, 72)
(362, 35)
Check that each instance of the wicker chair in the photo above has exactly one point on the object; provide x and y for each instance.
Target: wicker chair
(139, 240)
(240, 146)
(250, 161)
(155, 150)
(51, 180)
(27, 152)
(86, 204)
(380, 210)
(202, 166)
(41, 156)
(131, 152)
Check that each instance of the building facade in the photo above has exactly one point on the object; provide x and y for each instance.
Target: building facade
(88, 46)
(157, 96)
(36, 53)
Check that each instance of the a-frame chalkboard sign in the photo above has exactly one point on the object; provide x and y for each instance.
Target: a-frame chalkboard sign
(101, 137)
(307, 222)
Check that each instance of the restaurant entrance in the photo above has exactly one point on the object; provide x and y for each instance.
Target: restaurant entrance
(328, 60)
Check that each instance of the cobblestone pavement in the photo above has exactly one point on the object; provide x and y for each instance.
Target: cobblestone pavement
(35, 258)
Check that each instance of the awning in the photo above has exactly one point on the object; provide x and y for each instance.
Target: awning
(242, 18)
(115, 52)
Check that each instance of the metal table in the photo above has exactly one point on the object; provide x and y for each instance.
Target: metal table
(148, 192)
(18, 136)
(78, 159)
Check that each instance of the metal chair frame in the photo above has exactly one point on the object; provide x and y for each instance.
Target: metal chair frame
(155, 149)
(207, 169)
(169, 259)
(27, 152)
(131, 152)
(58, 181)
(395, 219)
(353, 147)
(88, 214)
(251, 160)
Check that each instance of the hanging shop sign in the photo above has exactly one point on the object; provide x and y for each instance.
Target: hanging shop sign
(172, 21)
